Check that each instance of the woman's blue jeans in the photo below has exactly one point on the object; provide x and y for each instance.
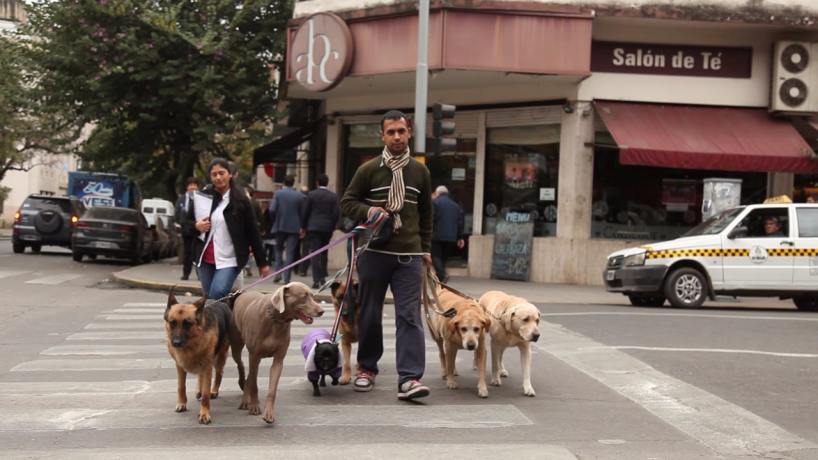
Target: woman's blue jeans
(217, 283)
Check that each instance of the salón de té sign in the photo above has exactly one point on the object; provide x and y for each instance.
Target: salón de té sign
(684, 60)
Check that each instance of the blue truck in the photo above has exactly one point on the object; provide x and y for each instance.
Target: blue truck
(104, 189)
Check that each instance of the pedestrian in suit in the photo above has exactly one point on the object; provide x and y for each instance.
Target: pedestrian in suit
(448, 230)
(321, 217)
(184, 209)
(286, 210)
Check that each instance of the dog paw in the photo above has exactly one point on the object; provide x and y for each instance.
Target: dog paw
(529, 391)
(451, 384)
(244, 405)
(483, 392)
(198, 396)
(503, 373)
(268, 417)
(214, 394)
(254, 410)
(495, 381)
(345, 379)
(455, 373)
(204, 418)
(181, 407)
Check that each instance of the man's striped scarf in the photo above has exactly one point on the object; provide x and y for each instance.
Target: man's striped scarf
(397, 190)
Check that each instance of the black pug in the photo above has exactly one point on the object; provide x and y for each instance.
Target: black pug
(323, 358)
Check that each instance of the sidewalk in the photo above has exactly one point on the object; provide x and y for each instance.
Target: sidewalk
(5, 233)
(163, 275)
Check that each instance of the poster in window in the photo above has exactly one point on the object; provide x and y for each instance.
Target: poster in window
(521, 174)
(678, 194)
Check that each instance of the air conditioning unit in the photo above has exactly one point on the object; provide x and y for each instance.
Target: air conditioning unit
(795, 77)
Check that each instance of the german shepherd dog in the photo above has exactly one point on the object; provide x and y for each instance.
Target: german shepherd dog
(198, 341)
(349, 323)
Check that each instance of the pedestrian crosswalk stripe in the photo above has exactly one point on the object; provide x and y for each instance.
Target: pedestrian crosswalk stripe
(158, 347)
(55, 279)
(115, 364)
(144, 304)
(432, 417)
(517, 451)
(10, 273)
(152, 325)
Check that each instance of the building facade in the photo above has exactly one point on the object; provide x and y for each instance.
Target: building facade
(596, 124)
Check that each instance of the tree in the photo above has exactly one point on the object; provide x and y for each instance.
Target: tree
(26, 128)
(165, 83)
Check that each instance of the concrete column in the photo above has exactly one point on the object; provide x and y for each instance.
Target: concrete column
(780, 183)
(333, 158)
(479, 176)
(576, 172)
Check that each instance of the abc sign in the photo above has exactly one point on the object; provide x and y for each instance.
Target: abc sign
(321, 52)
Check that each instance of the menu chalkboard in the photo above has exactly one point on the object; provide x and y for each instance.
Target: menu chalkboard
(512, 247)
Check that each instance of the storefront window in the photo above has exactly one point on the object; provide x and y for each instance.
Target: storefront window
(522, 166)
(647, 203)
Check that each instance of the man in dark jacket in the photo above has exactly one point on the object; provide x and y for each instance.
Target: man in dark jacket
(396, 183)
(184, 211)
(448, 230)
(321, 217)
(286, 210)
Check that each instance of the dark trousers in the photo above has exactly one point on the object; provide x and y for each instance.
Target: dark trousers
(376, 273)
(316, 240)
(303, 250)
(288, 242)
(440, 254)
(187, 255)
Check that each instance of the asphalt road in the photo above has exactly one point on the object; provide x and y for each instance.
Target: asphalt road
(84, 374)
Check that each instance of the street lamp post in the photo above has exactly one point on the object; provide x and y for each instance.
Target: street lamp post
(421, 77)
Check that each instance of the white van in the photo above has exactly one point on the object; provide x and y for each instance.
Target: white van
(768, 250)
(153, 207)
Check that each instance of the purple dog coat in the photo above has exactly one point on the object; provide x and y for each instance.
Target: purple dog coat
(308, 344)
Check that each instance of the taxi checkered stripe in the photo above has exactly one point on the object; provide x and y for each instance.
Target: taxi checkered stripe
(710, 252)
(775, 252)
(795, 252)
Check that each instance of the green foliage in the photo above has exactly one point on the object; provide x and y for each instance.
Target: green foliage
(165, 83)
(26, 127)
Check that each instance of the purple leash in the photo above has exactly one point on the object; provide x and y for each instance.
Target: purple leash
(374, 224)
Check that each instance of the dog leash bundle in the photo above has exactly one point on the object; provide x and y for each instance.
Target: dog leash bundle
(373, 224)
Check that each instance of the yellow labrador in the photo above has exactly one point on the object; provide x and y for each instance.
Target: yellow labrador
(515, 323)
(465, 331)
(262, 322)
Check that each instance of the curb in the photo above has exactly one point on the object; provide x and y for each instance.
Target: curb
(184, 288)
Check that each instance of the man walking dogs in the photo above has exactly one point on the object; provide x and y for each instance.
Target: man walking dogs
(396, 183)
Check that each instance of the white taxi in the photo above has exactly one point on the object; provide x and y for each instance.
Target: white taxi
(758, 250)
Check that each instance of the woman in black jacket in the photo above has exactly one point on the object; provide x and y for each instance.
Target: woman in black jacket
(226, 236)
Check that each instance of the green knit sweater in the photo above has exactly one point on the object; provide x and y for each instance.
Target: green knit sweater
(370, 188)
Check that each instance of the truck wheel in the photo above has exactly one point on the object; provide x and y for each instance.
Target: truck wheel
(686, 287)
(35, 248)
(637, 300)
(77, 256)
(806, 303)
(18, 247)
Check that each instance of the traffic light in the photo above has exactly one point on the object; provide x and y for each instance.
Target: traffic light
(443, 128)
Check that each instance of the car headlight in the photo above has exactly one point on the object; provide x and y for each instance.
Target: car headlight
(635, 259)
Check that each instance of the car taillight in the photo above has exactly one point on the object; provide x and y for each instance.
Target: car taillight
(17, 217)
(74, 220)
(82, 224)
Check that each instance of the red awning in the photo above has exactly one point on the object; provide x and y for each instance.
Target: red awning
(693, 137)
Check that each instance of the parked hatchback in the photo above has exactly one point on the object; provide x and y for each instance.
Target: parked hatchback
(45, 220)
(113, 232)
(768, 250)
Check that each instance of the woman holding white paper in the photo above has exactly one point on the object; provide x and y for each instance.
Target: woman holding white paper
(227, 234)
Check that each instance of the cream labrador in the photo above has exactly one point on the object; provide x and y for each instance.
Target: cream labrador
(515, 323)
(262, 322)
(465, 331)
